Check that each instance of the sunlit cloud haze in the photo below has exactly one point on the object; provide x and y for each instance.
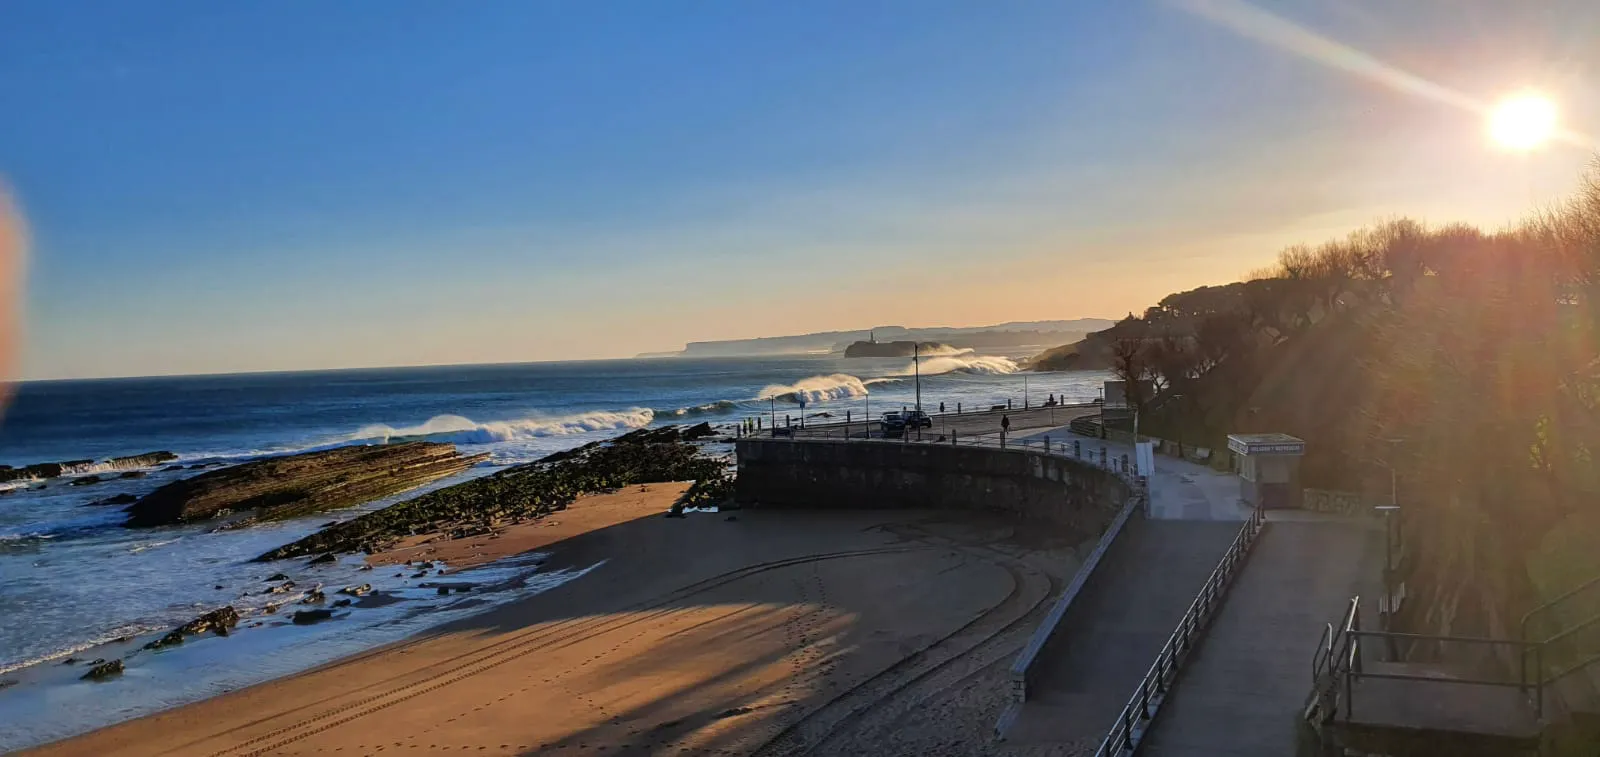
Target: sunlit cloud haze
(223, 187)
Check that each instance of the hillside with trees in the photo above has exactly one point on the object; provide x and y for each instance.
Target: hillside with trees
(1465, 360)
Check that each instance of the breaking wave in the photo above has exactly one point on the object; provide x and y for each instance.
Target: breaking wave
(983, 364)
(710, 408)
(459, 430)
(836, 386)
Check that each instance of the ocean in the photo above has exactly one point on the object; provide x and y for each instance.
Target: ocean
(73, 581)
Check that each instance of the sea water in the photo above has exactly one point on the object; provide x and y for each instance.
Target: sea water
(73, 580)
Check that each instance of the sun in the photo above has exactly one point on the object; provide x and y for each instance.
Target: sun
(1523, 122)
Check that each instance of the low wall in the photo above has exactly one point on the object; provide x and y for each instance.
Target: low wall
(867, 474)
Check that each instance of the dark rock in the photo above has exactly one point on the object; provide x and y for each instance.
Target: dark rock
(8, 683)
(270, 609)
(146, 460)
(133, 474)
(324, 559)
(366, 567)
(172, 639)
(307, 617)
(444, 590)
(294, 485)
(698, 431)
(526, 492)
(217, 621)
(103, 671)
(116, 499)
(173, 468)
(69, 661)
(219, 587)
(357, 591)
(342, 602)
(278, 577)
(313, 597)
(281, 588)
(86, 480)
(420, 574)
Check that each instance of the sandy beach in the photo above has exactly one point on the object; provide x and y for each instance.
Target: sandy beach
(750, 632)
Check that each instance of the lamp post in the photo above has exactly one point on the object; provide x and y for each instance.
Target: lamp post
(1389, 536)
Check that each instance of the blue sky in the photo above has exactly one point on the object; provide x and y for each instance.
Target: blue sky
(220, 187)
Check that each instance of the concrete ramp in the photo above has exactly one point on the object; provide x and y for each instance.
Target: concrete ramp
(1115, 628)
(1242, 691)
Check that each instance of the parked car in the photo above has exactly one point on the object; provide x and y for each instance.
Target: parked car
(918, 419)
(893, 423)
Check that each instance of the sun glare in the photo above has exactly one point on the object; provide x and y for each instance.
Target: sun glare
(1523, 122)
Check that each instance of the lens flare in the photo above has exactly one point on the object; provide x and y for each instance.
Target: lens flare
(1523, 122)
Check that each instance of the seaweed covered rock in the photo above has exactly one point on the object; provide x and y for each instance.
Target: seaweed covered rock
(520, 493)
(103, 671)
(217, 621)
(282, 487)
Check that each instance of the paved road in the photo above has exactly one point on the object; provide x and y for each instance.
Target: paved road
(1116, 627)
(1242, 692)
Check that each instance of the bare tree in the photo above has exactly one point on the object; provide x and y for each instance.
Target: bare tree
(1130, 363)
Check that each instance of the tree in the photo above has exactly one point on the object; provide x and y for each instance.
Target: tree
(1130, 364)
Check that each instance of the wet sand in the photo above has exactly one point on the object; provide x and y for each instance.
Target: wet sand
(589, 512)
(753, 632)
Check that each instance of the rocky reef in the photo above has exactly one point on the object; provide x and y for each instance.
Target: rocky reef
(527, 491)
(292, 485)
(896, 349)
(41, 471)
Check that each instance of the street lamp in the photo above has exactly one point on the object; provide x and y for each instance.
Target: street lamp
(1389, 528)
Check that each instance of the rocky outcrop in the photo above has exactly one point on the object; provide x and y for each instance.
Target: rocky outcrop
(103, 670)
(41, 471)
(217, 621)
(521, 493)
(115, 499)
(896, 349)
(283, 487)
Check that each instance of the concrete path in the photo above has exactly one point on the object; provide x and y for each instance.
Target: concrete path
(1116, 627)
(1179, 490)
(1242, 691)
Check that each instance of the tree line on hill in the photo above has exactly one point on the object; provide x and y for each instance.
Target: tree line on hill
(1460, 365)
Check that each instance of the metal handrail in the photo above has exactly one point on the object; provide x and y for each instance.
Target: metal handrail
(1349, 669)
(1570, 593)
(1134, 720)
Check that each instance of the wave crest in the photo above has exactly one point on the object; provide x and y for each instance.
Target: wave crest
(460, 430)
(710, 408)
(835, 386)
(982, 364)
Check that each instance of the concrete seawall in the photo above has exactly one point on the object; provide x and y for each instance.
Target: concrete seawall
(866, 474)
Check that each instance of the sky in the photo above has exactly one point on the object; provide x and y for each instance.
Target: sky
(218, 187)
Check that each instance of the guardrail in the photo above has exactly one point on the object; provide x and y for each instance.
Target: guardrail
(1134, 720)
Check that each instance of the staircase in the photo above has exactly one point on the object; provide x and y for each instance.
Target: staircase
(1369, 697)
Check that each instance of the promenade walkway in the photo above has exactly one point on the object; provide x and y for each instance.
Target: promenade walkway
(1242, 691)
(1131, 603)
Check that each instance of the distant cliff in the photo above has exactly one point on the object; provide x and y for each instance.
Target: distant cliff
(896, 349)
(999, 336)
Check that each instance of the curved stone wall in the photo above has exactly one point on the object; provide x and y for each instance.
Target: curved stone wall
(872, 474)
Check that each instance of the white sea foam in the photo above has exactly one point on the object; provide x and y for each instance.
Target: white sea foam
(710, 408)
(982, 364)
(835, 386)
(460, 430)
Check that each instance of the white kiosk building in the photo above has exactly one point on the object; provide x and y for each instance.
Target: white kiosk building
(1269, 468)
